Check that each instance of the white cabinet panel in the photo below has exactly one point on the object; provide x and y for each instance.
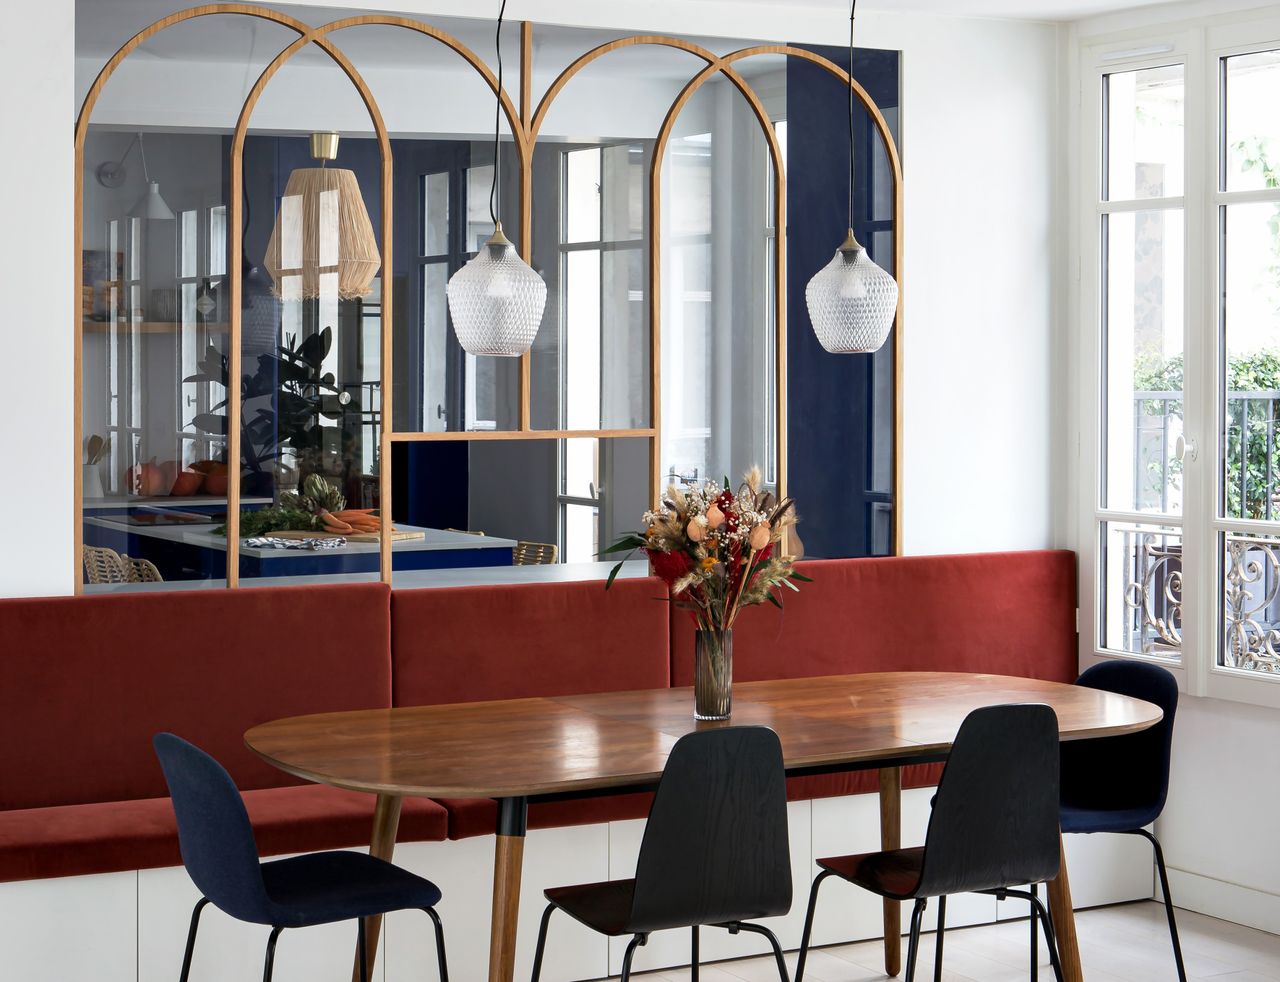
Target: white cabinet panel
(71, 928)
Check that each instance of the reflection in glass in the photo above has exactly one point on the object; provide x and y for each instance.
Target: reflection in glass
(1251, 155)
(1143, 339)
(1144, 133)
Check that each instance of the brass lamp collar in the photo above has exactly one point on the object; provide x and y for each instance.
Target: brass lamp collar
(498, 239)
(324, 146)
(851, 246)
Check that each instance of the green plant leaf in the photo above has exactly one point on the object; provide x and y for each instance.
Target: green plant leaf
(613, 574)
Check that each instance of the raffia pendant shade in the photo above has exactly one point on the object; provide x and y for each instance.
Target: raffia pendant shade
(323, 241)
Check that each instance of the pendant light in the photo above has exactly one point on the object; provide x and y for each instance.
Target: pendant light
(322, 243)
(152, 204)
(496, 300)
(852, 301)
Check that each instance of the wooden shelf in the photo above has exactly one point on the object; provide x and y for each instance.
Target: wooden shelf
(147, 327)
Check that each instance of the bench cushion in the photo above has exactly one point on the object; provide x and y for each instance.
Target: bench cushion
(545, 639)
(106, 837)
(89, 680)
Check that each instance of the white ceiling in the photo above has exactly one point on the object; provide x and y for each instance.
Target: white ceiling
(1016, 9)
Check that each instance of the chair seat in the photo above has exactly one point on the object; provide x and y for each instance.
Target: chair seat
(339, 886)
(1079, 819)
(603, 907)
(894, 874)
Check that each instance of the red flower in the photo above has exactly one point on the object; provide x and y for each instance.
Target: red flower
(668, 566)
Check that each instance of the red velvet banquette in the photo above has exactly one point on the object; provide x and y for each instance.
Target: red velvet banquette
(85, 682)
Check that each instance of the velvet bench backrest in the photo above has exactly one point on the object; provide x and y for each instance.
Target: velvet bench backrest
(1010, 613)
(87, 681)
(469, 644)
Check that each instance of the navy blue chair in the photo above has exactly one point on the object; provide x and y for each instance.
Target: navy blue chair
(1119, 784)
(714, 851)
(221, 856)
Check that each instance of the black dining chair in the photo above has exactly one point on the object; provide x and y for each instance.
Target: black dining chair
(220, 855)
(1119, 784)
(714, 851)
(993, 829)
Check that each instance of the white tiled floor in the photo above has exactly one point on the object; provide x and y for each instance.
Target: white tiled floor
(1128, 943)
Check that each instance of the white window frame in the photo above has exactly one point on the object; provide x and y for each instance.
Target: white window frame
(1198, 45)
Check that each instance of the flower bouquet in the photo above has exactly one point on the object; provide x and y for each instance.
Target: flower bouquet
(718, 551)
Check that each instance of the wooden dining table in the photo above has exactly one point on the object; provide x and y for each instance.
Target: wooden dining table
(527, 750)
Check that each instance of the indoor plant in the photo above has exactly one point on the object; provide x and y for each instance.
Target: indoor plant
(718, 552)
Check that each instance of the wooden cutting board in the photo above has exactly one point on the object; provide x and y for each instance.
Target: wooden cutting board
(397, 536)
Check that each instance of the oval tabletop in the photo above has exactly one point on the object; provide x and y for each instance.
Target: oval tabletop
(528, 747)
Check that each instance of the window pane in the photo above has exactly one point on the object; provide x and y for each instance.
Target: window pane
(188, 244)
(582, 340)
(580, 534)
(582, 195)
(581, 468)
(1142, 343)
(1140, 577)
(1251, 339)
(1250, 636)
(479, 223)
(1252, 134)
(435, 214)
(1144, 133)
(435, 347)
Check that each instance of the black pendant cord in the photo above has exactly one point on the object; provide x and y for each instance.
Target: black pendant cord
(853, 9)
(497, 121)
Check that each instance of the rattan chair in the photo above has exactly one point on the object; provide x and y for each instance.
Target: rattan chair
(102, 565)
(535, 554)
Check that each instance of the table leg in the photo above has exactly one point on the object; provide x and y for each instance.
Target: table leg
(891, 838)
(386, 820)
(1064, 923)
(508, 859)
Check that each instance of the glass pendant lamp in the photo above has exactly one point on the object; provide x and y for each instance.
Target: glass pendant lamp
(852, 301)
(496, 300)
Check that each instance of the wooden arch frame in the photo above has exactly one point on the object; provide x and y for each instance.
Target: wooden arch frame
(525, 125)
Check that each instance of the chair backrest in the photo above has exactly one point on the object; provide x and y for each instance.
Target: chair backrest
(995, 817)
(102, 565)
(1130, 771)
(535, 554)
(140, 570)
(218, 848)
(715, 847)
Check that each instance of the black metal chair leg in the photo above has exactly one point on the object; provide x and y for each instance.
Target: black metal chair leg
(913, 945)
(764, 932)
(1035, 938)
(271, 955)
(440, 956)
(542, 941)
(1168, 901)
(694, 959)
(191, 938)
(362, 950)
(632, 945)
(942, 931)
(808, 923)
(1038, 911)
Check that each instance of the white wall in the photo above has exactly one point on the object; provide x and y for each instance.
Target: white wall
(36, 256)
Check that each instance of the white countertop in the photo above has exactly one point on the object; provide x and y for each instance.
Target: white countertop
(201, 535)
(407, 579)
(118, 502)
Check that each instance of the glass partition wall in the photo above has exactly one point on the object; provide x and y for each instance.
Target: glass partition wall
(645, 182)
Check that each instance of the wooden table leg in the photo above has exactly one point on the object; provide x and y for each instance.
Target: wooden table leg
(891, 838)
(386, 820)
(1064, 923)
(508, 860)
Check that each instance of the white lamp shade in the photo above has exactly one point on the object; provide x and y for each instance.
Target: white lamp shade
(852, 302)
(151, 205)
(496, 301)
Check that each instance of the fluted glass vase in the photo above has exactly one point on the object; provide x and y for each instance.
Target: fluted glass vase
(712, 674)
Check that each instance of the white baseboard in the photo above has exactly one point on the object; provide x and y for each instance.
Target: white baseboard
(1225, 901)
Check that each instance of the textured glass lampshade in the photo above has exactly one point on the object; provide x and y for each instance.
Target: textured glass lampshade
(496, 301)
(852, 301)
(151, 205)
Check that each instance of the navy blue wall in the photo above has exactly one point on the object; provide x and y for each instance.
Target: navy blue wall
(839, 407)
